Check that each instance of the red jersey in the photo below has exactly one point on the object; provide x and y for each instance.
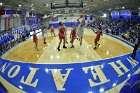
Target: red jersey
(35, 39)
(61, 33)
(73, 33)
(52, 29)
(97, 36)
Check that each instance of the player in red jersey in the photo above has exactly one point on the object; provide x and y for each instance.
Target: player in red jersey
(35, 40)
(52, 30)
(97, 38)
(73, 36)
(61, 34)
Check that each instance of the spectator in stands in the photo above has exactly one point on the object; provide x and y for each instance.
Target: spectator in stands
(132, 85)
(137, 42)
(23, 36)
(27, 33)
(12, 40)
(16, 37)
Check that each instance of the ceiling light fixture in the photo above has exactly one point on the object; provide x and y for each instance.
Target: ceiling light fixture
(77, 11)
(32, 9)
(19, 5)
(104, 15)
(32, 5)
(47, 5)
(123, 7)
(1, 3)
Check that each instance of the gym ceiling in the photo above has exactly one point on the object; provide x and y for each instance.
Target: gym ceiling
(89, 6)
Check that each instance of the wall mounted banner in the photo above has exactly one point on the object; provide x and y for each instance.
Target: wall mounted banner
(55, 18)
(8, 12)
(7, 23)
(23, 22)
(97, 76)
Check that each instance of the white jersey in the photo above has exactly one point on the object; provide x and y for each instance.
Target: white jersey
(15, 35)
(80, 29)
(44, 33)
(65, 33)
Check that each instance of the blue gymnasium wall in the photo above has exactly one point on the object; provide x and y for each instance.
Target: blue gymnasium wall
(7, 38)
(77, 81)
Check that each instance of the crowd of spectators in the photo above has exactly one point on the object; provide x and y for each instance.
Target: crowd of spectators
(10, 38)
(127, 29)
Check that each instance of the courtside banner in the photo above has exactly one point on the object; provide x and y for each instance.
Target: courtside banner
(98, 76)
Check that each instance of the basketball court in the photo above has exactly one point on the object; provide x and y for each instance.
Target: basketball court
(109, 48)
(48, 54)
(82, 69)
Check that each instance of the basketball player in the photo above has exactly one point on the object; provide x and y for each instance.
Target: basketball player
(65, 33)
(52, 30)
(81, 28)
(61, 34)
(44, 34)
(73, 36)
(97, 38)
(35, 40)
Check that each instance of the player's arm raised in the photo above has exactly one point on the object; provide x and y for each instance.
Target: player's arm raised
(78, 20)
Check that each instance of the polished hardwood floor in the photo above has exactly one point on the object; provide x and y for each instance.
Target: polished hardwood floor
(48, 53)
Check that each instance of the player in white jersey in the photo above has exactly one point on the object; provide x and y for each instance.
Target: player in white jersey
(81, 27)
